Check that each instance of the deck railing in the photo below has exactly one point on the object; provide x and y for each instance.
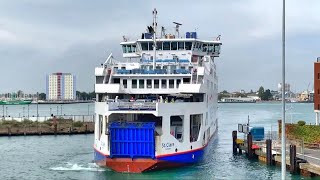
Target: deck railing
(148, 106)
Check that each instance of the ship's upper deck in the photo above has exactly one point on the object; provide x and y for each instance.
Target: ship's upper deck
(169, 44)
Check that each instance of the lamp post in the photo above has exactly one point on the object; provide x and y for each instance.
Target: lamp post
(283, 129)
(37, 106)
(2, 110)
(23, 111)
(28, 112)
(6, 111)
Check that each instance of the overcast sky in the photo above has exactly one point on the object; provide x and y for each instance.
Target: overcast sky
(39, 37)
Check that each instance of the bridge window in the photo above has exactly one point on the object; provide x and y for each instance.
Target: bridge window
(156, 83)
(150, 46)
(186, 80)
(116, 80)
(181, 45)
(124, 82)
(178, 82)
(166, 45)
(174, 46)
(134, 83)
(159, 46)
(144, 46)
(210, 48)
(188, 45)
(133, 48)
(204, 47)
(141, 83)
(149, 84)
(128, 49)
(163, 83)
(171, 83)
(216, 48)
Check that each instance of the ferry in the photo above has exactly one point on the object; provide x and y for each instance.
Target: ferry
(158, 108)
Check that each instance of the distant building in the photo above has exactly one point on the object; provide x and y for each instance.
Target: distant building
(287, 87)
(60, 86)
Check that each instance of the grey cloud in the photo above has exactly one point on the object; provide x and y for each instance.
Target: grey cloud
(38, 37)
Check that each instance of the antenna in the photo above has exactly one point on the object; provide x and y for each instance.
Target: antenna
(124, 38)
(154, 12)
(163, 31)
(177, 27)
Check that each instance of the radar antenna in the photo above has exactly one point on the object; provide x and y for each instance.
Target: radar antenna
(154, 12)
(177, 27)
(125, 39)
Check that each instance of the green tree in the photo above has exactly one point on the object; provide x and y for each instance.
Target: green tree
(42, 96)
(261, 92)
(267, 95)
(92, 95)
(224, 92)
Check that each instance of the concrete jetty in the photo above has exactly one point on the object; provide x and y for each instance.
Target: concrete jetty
(305, 162)
(53, 126)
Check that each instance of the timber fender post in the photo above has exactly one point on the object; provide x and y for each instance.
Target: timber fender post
(234, 142)
(293, 159)
(249, 145)
(55, 129)
(269, 152)
(9, 131)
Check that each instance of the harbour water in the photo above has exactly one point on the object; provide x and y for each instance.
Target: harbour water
(70, 157)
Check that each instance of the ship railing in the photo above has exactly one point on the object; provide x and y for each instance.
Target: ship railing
(123, 106)
(156, 71)
(74, 118)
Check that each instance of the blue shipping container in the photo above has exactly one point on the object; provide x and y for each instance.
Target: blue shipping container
(132, 139)
(257, 133)
(193, 35)
(187, 34)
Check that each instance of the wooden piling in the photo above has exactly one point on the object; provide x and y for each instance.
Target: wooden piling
(269, 152)
(293, 159)
(9, 131)
(234, 142)
(55, 129)
(249, 145)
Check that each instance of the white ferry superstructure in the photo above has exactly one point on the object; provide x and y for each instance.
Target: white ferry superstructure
(159, 109)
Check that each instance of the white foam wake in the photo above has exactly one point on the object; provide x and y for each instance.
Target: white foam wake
(78, 167)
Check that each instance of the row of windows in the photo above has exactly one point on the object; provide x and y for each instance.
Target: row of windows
(206, 47)
(167, 46)
(157, 83)
(129, 48)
